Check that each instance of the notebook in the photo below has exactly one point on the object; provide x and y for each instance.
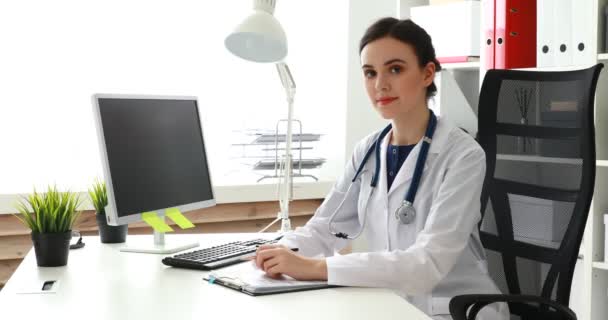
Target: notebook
(247, 278)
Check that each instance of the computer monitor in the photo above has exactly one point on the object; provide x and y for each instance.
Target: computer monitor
(153, 157)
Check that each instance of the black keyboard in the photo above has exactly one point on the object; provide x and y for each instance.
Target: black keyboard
(218, 256)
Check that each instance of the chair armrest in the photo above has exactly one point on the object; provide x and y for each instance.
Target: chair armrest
(459, 305)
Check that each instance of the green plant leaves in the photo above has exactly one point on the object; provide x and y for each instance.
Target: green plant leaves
(50, 212)
(99, 196)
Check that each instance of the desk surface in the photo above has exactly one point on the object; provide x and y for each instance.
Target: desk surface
(101, 282)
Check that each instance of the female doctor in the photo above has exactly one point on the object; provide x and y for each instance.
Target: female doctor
(413, 189)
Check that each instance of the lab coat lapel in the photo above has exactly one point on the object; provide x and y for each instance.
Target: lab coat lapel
(383, 181)
(406, 172)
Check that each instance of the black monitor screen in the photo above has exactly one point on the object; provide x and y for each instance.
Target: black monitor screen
(156, 153)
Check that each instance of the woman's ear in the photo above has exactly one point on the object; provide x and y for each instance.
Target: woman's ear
(429, 73)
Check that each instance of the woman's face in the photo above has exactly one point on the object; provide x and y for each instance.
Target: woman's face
(395, 82)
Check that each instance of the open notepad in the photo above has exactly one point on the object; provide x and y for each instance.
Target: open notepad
(247, 278)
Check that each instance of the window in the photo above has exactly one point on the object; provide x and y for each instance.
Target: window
(56, 54)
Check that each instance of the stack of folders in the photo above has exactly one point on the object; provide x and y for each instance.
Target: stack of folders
(509, 28)
(247, 278)
(567, 33)
(538, 33)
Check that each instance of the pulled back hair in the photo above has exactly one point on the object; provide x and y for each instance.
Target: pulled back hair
(407, 32)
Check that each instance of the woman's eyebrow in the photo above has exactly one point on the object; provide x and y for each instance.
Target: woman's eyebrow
(386, 63)
(393, 61)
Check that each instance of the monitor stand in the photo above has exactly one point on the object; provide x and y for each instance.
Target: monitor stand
(160, 246)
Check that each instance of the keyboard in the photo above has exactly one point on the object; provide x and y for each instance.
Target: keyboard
(218, 256)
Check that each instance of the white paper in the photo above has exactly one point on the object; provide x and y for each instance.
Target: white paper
(256, 280)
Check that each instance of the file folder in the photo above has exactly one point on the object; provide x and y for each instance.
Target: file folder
(562, 31)
(246, 278)
(605, 47)
(489, 16)
(515, 34)
(583, 43)
(545, 48)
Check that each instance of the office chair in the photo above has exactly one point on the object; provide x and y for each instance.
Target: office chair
(537, 130)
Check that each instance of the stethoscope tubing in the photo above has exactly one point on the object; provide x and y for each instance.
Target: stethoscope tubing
(407, 204)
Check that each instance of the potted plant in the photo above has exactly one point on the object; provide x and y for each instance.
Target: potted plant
(107, 233)
(50, 216)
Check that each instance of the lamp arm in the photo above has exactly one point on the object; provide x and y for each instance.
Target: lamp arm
(287, 80)
(285, 196)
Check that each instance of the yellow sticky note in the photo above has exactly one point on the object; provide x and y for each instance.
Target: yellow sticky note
(175, 215)
(155, 222)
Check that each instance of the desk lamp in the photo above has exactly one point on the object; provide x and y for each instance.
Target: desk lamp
(260, 38)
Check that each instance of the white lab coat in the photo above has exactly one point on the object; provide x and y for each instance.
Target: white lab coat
(427, 262)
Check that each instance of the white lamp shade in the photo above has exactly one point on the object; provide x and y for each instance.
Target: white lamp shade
(259, 38)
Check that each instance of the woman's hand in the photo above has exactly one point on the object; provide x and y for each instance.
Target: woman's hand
(277, 260)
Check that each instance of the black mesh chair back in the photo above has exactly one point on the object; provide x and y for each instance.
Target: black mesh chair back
(537, 130)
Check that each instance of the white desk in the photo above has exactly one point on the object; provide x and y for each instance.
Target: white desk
(100, 282)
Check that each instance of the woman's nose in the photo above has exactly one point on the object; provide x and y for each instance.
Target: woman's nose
(382, 83)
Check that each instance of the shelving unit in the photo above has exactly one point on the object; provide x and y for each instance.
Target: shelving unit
(530, 158)
(473, 65)
(539, 242)
(595, 268)
(600, 265)
(590, 284)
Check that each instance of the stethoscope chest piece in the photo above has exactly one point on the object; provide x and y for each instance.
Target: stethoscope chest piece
(406, 213)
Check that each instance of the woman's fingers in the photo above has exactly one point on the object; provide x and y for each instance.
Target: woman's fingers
(274, 273)
(277, 262)
(265, 254)
(259, 257)
(270, 263)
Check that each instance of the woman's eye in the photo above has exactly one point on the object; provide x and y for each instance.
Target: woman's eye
(395, 69)
(369, 73)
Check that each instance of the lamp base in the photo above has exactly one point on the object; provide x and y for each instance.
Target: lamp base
(285, 225)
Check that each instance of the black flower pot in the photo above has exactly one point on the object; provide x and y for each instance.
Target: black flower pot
(52, 248)
(110, 234)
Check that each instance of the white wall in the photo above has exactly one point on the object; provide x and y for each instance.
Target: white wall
(361, 119)
(405, 5)
(174, 48)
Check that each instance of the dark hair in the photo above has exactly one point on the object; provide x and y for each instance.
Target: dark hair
(408, 32)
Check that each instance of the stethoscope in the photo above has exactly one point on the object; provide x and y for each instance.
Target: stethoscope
(406, 212)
